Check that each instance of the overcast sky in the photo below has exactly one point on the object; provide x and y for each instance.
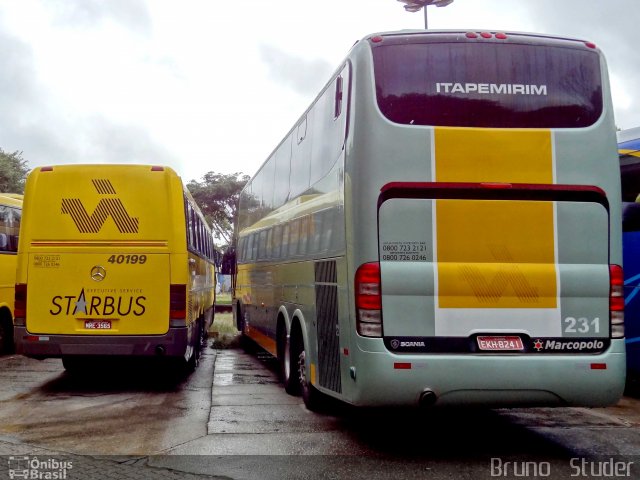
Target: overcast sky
(213, 85)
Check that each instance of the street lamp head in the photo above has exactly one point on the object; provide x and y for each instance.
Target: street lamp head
(416, 5)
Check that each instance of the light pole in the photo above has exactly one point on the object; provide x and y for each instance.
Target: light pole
(416, 5)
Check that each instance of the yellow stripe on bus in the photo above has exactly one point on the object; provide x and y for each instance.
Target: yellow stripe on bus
(495, 254)
(99, 243)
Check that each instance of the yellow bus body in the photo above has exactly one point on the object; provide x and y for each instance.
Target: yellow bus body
(10, 214)
(118, 253)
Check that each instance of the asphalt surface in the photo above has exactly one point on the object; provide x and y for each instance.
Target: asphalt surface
(232, 419)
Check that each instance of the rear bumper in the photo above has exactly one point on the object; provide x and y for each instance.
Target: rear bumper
(171, 344)
(387, 379)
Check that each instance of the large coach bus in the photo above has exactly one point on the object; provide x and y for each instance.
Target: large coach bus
(442, 226)
(10, 216)
(113, 261)
(629, 150)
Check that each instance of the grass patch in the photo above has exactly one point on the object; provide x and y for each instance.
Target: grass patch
(223, 298)
(223, 331)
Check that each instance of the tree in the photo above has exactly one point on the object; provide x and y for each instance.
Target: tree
(13, 172)
(217, 196)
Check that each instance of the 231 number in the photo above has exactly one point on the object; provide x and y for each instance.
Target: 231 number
(581, 325)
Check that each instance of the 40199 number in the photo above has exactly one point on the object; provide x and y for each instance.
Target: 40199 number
(130, 259)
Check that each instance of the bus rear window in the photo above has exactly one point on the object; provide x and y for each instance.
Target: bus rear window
(494, 85)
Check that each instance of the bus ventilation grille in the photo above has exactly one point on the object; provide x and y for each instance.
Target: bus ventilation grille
(328, 331)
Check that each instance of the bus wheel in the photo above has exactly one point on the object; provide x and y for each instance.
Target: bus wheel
(288, 369)
(313, 399)
(6, 337)
(76, 364)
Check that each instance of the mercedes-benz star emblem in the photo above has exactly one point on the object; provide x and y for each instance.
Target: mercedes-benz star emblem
(98, 273)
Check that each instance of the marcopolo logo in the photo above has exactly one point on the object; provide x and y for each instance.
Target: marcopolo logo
(35, 468)
(107, 207)
(568, 345)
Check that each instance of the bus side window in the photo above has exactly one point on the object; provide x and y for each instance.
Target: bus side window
(630, 217)
(5, 229)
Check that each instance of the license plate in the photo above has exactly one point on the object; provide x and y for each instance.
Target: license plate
(97, 324)
(499, 343)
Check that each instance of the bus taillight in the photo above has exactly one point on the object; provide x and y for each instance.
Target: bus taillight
(368, 300)
(20, 304)
(616, 301)
(178, 304)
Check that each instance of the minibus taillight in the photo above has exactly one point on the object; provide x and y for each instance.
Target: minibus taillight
(616, 301)
(20, 304)
(178, 304)
(368, 300)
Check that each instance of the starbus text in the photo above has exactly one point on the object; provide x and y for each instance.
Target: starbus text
(101, 306)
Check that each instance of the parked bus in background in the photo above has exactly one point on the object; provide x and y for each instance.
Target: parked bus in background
(10, 216)
(419, 237)
(629, 150)
(113, 260)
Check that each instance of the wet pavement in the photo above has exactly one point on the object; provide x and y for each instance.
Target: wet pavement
(232, 419)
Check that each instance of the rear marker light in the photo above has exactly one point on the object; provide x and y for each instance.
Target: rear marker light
(598, 366)
(46, 169)
(501, 36)
(178, 302)
(485, 35)
(376, 39)
(368, 300)
(616, 301)
(157, 168)
(590, 44)
(402, 366)
(471, 35)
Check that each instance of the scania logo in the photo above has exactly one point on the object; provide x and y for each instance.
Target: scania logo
(395, 343)
(98, 273)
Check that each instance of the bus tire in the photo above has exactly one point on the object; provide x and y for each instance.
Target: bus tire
(288, 365)
(313, 399)
(76, 364)
(6, 335)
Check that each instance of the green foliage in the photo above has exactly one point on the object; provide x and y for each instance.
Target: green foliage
(217, 196)
(13, 172)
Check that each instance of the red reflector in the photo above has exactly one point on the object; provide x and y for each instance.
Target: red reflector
(471, 35)
(598, 366)
(31, 338)
(402, 366)
(20, 301)
(501, 36)
(157, 168)
(590, 44)
(485, 35)
(345, 351)
(46, 169)
(376, 39)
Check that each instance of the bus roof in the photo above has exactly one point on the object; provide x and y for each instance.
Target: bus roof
(12, 199)
(629, 135)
